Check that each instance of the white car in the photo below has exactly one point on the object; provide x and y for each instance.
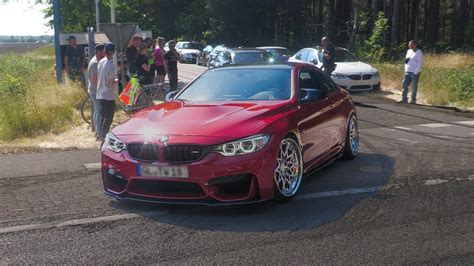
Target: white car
(350, 73)
(188, 51)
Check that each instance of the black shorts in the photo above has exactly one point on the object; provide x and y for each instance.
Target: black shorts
(160, 70)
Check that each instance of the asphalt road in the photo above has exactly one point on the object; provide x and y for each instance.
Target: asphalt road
(407, 199)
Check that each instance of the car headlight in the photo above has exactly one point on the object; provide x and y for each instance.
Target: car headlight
(242, 146)
(113, 143)
(339, 76)
(376, 74)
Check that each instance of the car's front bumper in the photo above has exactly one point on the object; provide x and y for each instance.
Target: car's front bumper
(213, 180)
(358, 85)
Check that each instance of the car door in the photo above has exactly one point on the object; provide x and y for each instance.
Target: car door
(316, 119)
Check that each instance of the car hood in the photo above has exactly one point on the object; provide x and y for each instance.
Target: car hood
(349, 68)
(222, 120)
(189, 51)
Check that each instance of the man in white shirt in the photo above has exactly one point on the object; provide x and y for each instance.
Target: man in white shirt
(413, 64)
(106, 89)
(92, 75)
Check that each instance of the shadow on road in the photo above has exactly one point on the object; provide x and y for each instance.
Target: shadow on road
(309, 209)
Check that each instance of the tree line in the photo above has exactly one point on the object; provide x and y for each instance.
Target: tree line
(436, 24)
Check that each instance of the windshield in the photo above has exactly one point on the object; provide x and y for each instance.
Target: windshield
(278, 52)
(250, 57)
(345, 56)
(191, 45)
(240, 85)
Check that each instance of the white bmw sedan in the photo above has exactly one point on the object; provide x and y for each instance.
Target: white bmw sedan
(350, 73)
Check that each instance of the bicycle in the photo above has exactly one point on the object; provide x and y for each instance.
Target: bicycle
(138, 97)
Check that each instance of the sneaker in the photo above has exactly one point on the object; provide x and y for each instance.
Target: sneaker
(412, 102)
(402, 101)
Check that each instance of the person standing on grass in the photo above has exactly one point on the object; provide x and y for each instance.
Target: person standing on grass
(158, 54)
(92, 75)
(171, 63)
(413, 64)
(106, 89)
(74, 59)
(329, 64)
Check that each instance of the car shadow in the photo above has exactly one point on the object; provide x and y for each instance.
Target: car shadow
(325, 196)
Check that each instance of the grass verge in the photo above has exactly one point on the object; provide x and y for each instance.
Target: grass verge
(31, 102)
(446, 79)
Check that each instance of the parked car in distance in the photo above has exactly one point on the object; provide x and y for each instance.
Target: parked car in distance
(232, 56)
(188, 51)
(350, 73)
(204, 55)
(280, 54)
(245, 133)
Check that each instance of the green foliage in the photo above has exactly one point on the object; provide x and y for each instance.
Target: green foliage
(31, 103)
(469, 36)
(374, 48)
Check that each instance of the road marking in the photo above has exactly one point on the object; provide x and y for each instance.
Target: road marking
(22, 228)
(404, 128)
(409, 141)
(435, 125)
(471, 123)
(432, 182)
(93, 166)
(335, 193)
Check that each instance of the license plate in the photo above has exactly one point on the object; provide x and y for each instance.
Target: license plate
(163, 171)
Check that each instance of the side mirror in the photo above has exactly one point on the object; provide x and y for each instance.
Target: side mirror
(170, 96)
(310, 94)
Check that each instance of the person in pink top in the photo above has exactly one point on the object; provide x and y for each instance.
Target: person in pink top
(158, 54)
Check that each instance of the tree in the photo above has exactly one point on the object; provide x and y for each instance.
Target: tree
(395, 22)
(462, 19)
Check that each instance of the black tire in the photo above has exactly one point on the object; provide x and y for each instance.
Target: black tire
(351, 148)
(282, 171)
(86, 113)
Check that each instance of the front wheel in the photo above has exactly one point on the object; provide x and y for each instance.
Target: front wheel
(351, 146)
(289, 170)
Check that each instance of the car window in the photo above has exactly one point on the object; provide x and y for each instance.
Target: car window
(250, 57)
(240, 85)
(342, 55)
(302, 55)
(312, 57)
(312, 79)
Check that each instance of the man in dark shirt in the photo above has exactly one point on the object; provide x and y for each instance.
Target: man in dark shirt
(131, 52)
(142, 66)
(171, 63)
(328, 56)
(74, 59)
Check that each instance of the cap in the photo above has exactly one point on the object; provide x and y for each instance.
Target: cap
(70, 37)
(109, 47)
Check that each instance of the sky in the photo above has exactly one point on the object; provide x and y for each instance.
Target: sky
(23, 18)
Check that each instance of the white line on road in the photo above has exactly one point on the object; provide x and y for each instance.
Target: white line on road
(435, 182)
(435, 125)
(403, 128)
(93, 166)
(326, 194)
(466, 122)
(409, 141)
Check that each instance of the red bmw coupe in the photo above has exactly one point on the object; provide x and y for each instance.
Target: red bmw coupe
(236, 134)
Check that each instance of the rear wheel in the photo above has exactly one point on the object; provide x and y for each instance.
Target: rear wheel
(351, 146)
(289, 170)
(86, 110)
